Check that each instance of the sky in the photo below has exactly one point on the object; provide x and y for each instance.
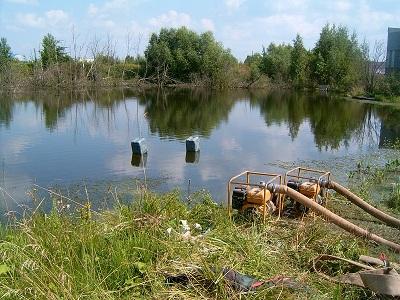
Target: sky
(244, 26)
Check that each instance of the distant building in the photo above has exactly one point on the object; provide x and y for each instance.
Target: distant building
(393, 50)
(86, 59)
(20, 57)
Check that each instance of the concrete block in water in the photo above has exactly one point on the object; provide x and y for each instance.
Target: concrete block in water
(139, 146)
(193, 144)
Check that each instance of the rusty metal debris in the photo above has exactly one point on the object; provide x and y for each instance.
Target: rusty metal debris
(382, 281)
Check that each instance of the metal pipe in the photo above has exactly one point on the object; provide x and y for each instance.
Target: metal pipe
(389, 220)
(332, 217)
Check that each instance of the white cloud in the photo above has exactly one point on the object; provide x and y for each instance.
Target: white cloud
(30, 2)
(237, 32)
(115, 17)
(343, 6)
(111, 7)
(171, 19)
(266, 27)
(92, 10)
(13, 148)
(115, 4)
(230, 144)
(109, 24)
(233, 4)
(207, 24)
(374, 19)
(57, 16)
(31, 20)
(50, 18)
(288, 5)
(291, 23)
(277, 28)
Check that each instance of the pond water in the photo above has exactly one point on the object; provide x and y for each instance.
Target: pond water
(78, 142)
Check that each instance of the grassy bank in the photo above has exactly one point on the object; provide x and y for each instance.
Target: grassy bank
(127, 253)
(387, 99)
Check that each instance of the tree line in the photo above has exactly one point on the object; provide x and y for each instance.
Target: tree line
(338, 61)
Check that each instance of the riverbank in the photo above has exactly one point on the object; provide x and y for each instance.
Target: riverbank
(264, 85)
(377, 101)
(132, 250)
(388, 99)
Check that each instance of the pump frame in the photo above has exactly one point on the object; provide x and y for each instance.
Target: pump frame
(319, 176)
(270, 179)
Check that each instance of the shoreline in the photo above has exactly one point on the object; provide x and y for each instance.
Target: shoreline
(133, 85)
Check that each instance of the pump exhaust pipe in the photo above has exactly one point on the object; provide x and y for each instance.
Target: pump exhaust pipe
(332, 217)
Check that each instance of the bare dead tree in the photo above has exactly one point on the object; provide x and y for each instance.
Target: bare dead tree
(76, 55)
(374, 60)
(128, 51)
(94, 51)
(37, 70)
(138, 43)
(73, 54)
(110, 53)
(137, 53)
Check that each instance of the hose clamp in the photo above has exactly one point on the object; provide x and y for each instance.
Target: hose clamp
(271, 187)
(323, 183)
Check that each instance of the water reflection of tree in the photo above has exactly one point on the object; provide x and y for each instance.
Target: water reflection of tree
(170, 113)
(56, 105)
(332, 121)
(369, 133)
(184, 112)
(178, 113)
(6, 110)
(282, 107)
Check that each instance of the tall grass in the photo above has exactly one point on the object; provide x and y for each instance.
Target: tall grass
(127, 253)
(393, 200)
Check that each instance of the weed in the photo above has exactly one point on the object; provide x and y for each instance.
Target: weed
(393, 200)
(128, 252)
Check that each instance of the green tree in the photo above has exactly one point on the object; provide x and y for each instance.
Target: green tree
(337, 58)
(298, 62)
(5, 60)
(254, 62)
(5, 51)
(276, 61)
(389, 85)
(182, 55)
(52, 52)
(216, 62)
